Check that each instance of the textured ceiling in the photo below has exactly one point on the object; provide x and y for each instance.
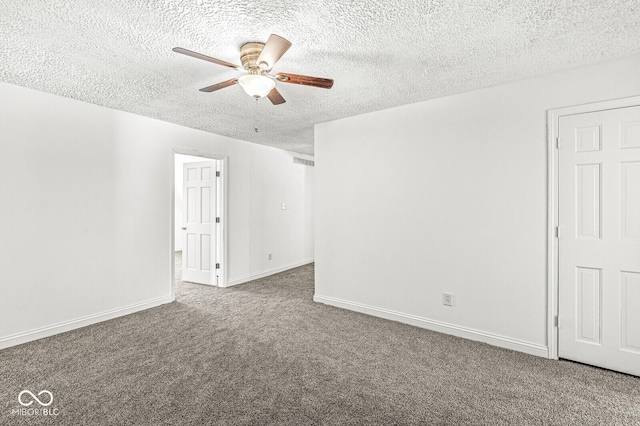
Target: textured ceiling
(117, 53)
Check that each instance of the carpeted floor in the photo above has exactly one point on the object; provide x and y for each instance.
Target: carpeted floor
(263, 353)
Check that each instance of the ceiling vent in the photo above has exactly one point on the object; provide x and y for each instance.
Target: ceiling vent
(297, 160)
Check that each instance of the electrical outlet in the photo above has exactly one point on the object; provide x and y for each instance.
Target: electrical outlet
(270, 256)
(447, 299)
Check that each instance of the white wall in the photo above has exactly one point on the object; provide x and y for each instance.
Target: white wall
(449, 195)
(85, 221)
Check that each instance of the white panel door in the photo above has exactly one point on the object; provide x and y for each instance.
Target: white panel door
(199, 227)
(599, 244)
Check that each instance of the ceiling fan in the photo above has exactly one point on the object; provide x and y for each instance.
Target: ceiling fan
(257, 61)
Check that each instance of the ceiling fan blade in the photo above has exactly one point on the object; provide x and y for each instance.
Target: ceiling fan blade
(305, 80)
(275, 97)
(205, 57)
(219, 86)
(273, 50)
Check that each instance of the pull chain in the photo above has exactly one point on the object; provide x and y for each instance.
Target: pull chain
(255, 124)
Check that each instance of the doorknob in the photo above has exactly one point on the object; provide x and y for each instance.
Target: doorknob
(184, 228)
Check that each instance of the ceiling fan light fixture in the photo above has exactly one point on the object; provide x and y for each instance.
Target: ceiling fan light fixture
(255, 85)
(257, 60)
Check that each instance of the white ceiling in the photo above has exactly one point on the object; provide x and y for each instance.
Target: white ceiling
(381, 54)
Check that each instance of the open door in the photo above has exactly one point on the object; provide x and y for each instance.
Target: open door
(599, 242)
(199, 222)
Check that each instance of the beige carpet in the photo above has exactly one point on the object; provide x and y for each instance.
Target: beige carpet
(263, 353)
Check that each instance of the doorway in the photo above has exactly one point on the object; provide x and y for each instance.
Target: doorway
(596, 215)
(198, 217)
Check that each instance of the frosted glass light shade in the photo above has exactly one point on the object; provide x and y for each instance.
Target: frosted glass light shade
(255, 85)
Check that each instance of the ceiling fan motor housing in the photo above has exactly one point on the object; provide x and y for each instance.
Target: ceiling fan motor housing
(249, 53)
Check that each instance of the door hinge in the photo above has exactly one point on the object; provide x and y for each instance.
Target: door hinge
(217, 220)
(217, 174)
(217, 266)
(558, 232)
(558, 142)
(556, 321)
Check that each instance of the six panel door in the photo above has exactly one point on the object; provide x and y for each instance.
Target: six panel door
(199, 212)
(599, 244)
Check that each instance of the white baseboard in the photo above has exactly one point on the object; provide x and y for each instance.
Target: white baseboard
(39, 333)
(439, 326)
(266, 273)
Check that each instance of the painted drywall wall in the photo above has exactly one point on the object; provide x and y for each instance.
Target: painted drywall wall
(85, 223)
(449, 195)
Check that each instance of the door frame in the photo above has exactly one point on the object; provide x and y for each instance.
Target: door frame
(221, 201)
(553, 117)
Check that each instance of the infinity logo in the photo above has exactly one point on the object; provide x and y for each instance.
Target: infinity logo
(35, 397)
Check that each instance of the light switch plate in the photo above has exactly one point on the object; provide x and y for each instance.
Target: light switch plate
(447, 299)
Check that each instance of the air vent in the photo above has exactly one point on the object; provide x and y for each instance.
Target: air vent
(297, 160)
